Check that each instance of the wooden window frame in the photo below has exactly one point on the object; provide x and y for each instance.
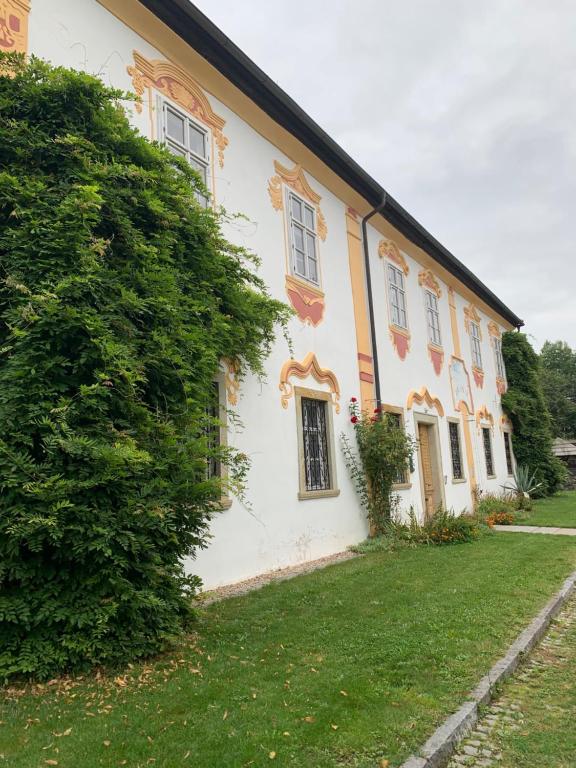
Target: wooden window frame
(303, 493)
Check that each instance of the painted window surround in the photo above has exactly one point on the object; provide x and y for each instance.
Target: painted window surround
(456, 421)
(473, 326)
(399, 335)
(430, 285)
(303, 493)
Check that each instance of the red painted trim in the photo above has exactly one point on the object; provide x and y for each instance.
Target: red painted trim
(366, 377)
(366, 358)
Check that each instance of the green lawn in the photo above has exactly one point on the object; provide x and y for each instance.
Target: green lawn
(342, 667)
(558, 511)
(547, 700)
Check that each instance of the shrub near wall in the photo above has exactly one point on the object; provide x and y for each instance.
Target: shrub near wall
(118, 299)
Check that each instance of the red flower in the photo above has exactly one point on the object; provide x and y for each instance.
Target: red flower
(378, 410)
(354, 419)
(353, 400)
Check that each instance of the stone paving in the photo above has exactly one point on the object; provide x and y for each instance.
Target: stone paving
(536, 529)
(481, 748)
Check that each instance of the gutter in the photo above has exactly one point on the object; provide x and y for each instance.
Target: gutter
(375, 365)
(195, 29)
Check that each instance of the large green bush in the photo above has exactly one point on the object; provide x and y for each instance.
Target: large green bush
(525, 405)
(118, 298)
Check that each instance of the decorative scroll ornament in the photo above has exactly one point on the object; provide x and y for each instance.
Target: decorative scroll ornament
(501, 385)
(231, 381)
(426, 279)
(478, 376)
(307, 300)
(401, 340)
(389, 250)
(177, 84)
(494, 330)
(471, 315)
(308, 367)
(483, 414)
(505, 424)
(436, 355)
(14, 26)
(424, 396)
(297, 181)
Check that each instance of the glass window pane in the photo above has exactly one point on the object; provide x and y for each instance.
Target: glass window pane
(311, 245)
(298, 235)
(312, 270)
(197, 140)
(175, 126)
(176, 150)
(301, 263)
(296, 208)
(309, 216)
(198, 167)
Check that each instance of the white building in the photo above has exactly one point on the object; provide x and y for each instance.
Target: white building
(434, 337)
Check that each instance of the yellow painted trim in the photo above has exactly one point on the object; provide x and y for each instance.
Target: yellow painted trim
(465, 415)
(387, 249)
(146, 25)
(14, 26)
(296, 180)
(483, 414)
(427, 280)
(454, 324)
(308, 367)
(424, 396)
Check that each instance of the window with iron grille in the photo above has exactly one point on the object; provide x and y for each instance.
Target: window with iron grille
(303, 238)
(508, 449)
(397, 294)
(488, 451)
(500, 369)
(455, 450)
(476, 343)
(185, 138)
(403, 477)
(316, 448)
(433, 318)
(213, 468)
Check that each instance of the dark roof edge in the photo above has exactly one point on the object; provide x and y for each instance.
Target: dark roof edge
(192, 26)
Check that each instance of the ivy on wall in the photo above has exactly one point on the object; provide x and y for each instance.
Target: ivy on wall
(119, 296)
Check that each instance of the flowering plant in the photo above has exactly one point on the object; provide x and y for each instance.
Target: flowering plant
(384, 453)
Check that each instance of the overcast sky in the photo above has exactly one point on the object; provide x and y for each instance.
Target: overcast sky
(464, 111)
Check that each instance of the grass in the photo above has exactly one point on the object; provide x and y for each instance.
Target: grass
(557, 511)
(345, 667)
(547, 736)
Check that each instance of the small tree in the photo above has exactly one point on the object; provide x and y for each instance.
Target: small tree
(525, 405)
(385, 454)
(119, 297)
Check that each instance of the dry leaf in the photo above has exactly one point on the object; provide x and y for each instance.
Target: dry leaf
(187, 755)
(309, 719)
(272, 755)
(106, 743)
(51, 762)
(334, 727)
(286, 733)
(225, 715)
(343, 693)
(384, 763)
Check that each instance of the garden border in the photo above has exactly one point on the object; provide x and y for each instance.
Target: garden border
(437, 750)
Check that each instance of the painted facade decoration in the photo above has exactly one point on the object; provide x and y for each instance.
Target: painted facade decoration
(14, 26)
(255, 163)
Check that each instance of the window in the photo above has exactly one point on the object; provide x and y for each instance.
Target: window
(403, 476)
(508, 450)
(397, 296)
(303, 238)
(317, 468)
(488, 451)
(500, 370)
(214, 467)
(185, 138)
(476, 345)
(433, 318)
(455, 450)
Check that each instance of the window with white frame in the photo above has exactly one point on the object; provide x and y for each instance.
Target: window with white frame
(186, 138)
(476, 344)
(304, 239)
(397, 294)
(455, 450)
(433, 318)
(500, 369)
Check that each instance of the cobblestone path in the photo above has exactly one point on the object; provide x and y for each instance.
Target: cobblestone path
(507, 717)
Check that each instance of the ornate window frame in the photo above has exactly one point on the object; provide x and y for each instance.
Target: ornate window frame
(457, 422)
(472, 318)
(430, 285)
(400, 337)
(308, 367)
(496, 341)
(306, 298)
(14, 26)
(303, 493)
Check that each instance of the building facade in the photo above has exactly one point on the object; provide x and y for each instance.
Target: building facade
(434, 329)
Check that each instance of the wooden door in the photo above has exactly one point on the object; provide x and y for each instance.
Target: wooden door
(426, 464)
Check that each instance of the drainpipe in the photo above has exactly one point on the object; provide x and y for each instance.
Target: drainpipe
(368, 216)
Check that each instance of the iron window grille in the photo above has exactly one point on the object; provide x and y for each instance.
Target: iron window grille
(397, 294)
(433, 318)
(316, 446)
(455, 450)
(488, 451)
(508, 450)
(303, 238)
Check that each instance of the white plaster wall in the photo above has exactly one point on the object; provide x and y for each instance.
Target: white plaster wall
(276, 529)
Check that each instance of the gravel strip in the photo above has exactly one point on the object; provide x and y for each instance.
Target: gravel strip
(281, 574)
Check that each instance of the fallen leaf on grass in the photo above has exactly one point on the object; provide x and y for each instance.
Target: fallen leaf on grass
(225, 715)
(51, 762)
(384, 763)
(334, 727)
(106, 743)
(343, 693)
(272, 755)
(187, 755)
(309, 719)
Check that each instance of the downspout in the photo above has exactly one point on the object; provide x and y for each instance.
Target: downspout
(368, 216)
